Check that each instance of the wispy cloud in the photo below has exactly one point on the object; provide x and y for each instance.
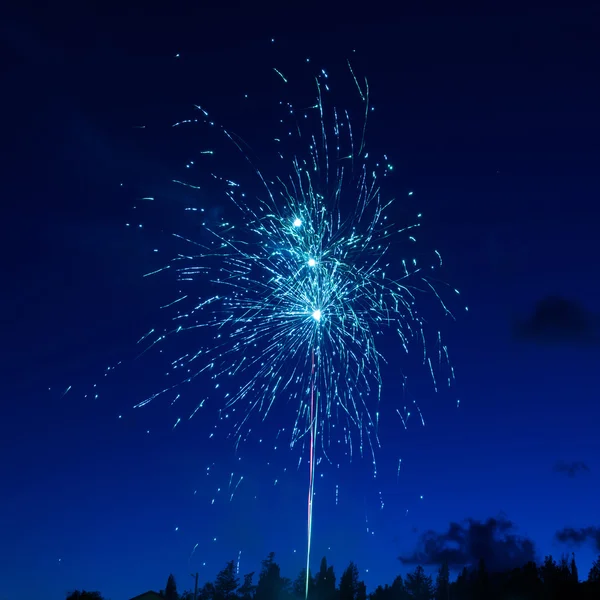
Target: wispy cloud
(493, 540)
(557, 320)
(571, 469)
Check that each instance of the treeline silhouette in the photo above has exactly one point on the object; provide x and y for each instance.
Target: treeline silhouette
(552, 580)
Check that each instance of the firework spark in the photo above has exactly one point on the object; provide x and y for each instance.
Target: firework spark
(300, 286)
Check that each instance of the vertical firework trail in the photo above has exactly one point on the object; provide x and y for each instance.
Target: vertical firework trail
(314, 399)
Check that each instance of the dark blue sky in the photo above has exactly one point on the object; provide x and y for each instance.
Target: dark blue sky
(494, 125)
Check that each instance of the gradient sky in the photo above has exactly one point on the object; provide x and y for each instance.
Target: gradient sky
(493, 123)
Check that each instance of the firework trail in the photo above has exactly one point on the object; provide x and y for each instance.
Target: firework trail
(293, 300)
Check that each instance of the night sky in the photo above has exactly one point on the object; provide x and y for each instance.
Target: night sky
(492, 123)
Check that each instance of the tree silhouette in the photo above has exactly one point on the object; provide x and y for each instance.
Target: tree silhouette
(226, 583)
(559, 579)
(381, 593)
(271, 585)
(299, 586)
(349, 583)
(524, 581)
(361, 592)
(573, 569)
(591, 588)
(247, 589)
(552, 580)
(550, 576)
(83, 595)
(419, 585)
(594, 574)
(398, 589)
(325, 582)
(207, 591)
(461, 586)
(481, 582)
(442, 583)
(171, 589)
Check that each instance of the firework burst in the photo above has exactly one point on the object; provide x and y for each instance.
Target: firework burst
(293, 293)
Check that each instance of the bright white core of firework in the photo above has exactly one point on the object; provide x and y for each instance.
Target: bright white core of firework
(312, 262)
(316, 315)
(297, 223)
